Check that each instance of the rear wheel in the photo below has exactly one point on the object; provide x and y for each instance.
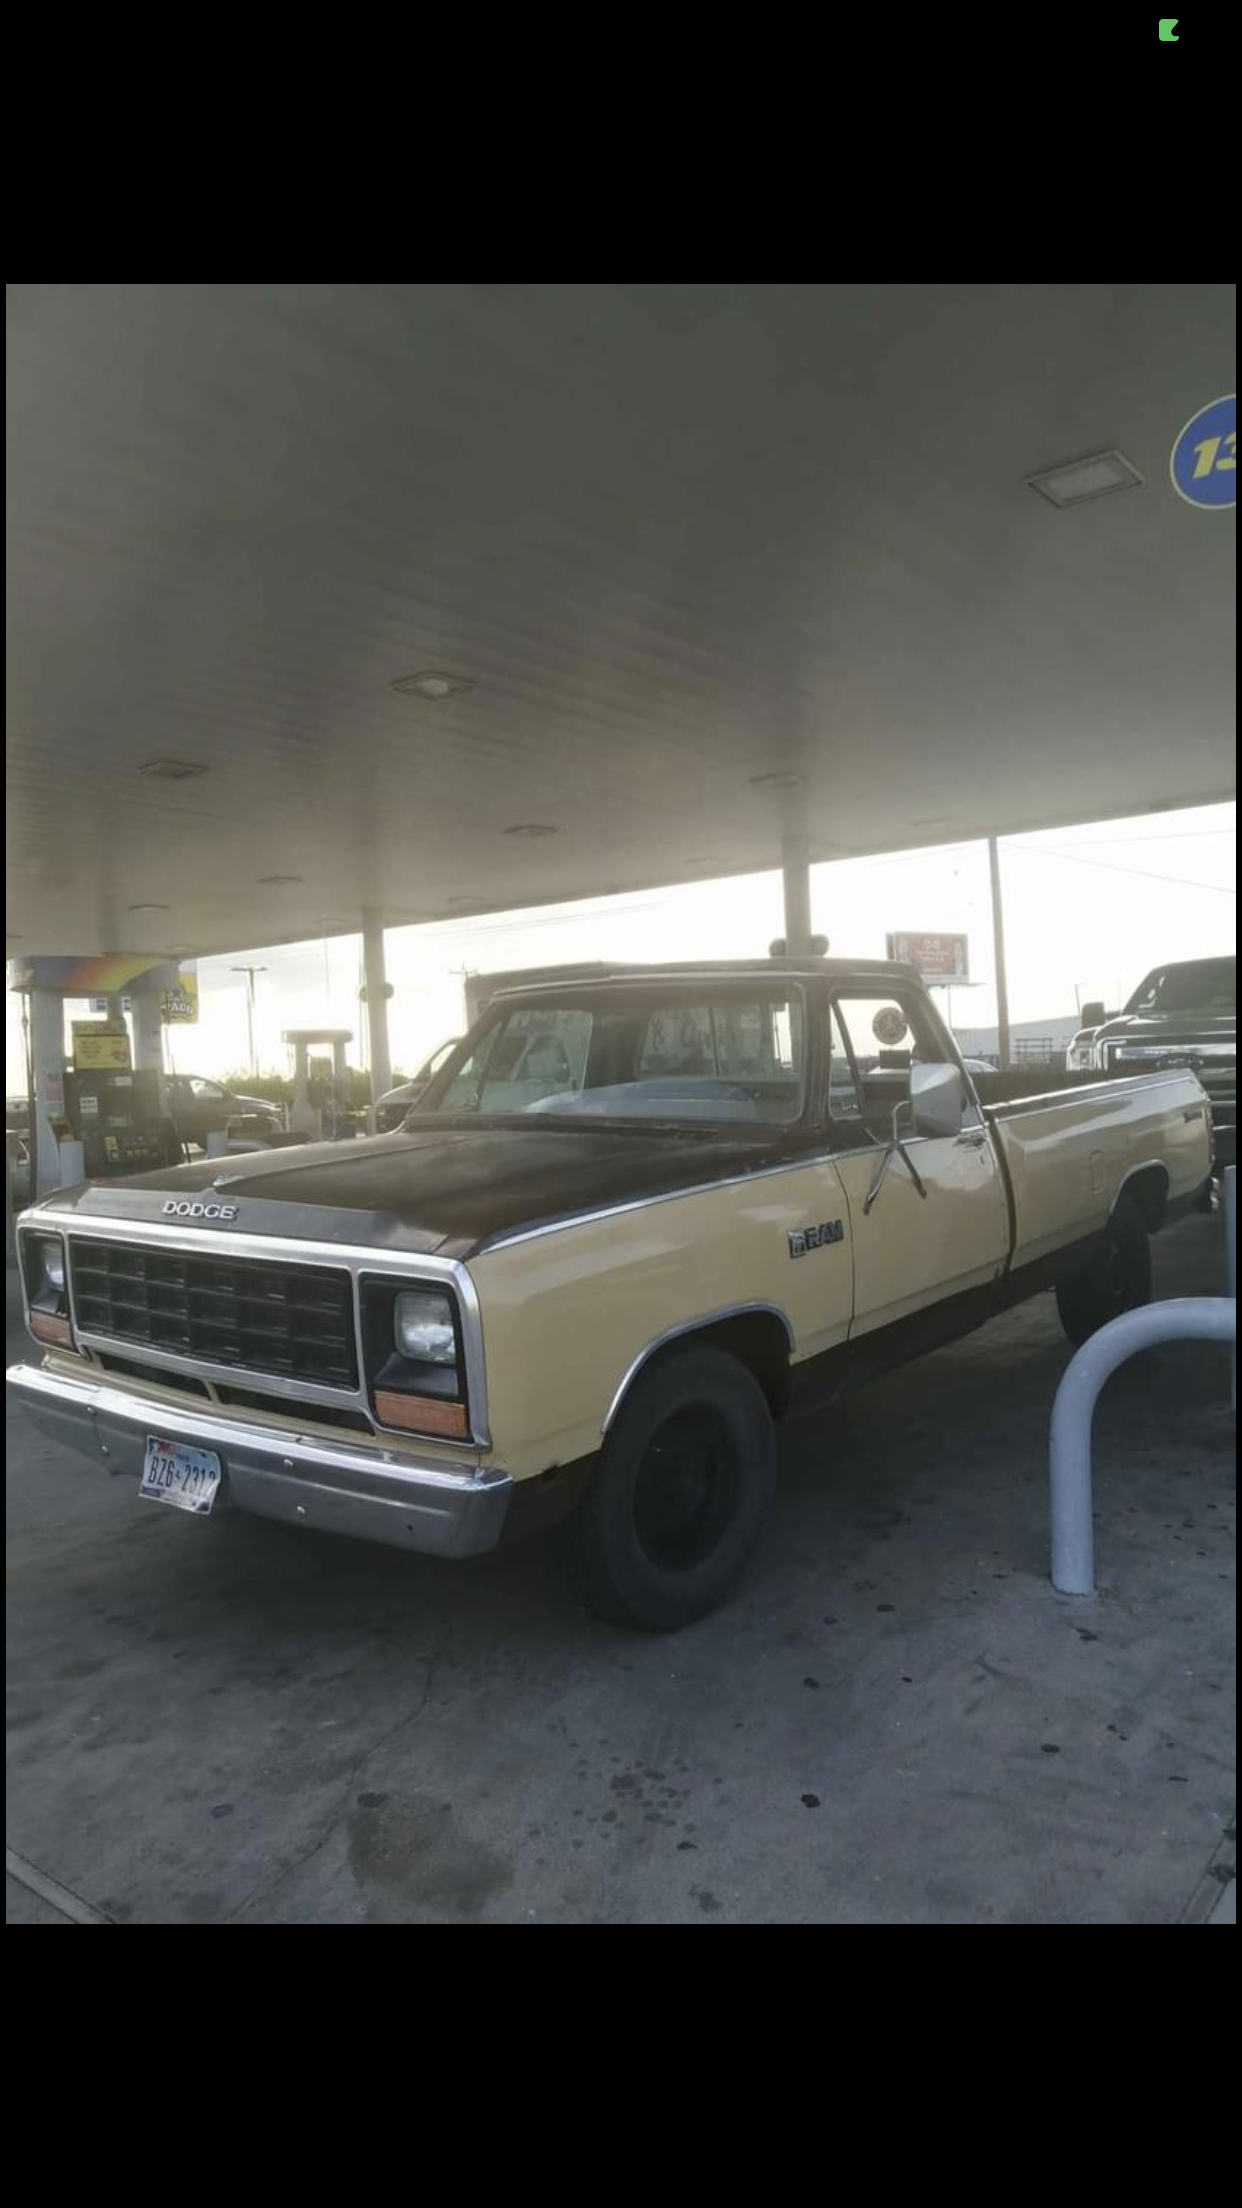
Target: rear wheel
(1117, 1279)
(677, 1501)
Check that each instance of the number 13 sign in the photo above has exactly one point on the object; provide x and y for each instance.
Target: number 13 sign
(1204, 461)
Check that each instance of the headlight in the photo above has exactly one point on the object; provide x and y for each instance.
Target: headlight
(414, 1361)
(47, 1300)
(423, 1330)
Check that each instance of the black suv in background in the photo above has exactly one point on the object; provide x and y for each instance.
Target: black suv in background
(1182, 1015)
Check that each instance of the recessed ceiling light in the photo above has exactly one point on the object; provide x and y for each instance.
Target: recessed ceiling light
(172, 770)
(1079, 480)
(531, 828)
(279, 881)
(433, 685)
(774, 781)
(146, 908)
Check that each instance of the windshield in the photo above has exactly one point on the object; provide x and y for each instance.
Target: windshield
(1201, 985)
(714, 1053)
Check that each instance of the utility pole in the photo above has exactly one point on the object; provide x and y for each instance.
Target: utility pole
(377, 989)
(1004, 1051)
(250, 972)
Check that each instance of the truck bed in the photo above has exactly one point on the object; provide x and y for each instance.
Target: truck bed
(1070, 1150)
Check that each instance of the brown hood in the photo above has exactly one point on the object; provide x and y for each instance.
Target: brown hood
(447, 1188)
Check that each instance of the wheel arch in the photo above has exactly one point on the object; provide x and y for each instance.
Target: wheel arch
(758, 1335)
(1147, 1188)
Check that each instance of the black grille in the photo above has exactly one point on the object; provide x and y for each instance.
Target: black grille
(295, 1321)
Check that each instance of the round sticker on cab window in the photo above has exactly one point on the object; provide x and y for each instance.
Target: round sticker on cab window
(889, 1026)
(1204, 461)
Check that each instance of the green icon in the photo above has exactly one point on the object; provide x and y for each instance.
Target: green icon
(1168, 30)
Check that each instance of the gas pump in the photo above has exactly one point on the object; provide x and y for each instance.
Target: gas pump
(321, 1105)
(99, 1111)
(119, 1119)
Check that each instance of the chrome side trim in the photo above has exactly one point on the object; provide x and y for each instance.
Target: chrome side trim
(690, 1326)
(281, 1249)
(504, 1241)
(1092, 1089)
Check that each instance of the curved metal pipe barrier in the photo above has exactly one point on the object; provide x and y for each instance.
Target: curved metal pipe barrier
(1185, 1318)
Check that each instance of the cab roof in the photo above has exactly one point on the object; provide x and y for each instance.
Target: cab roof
(719, 969)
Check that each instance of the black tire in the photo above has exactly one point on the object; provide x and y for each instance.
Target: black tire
(1117, 1279)
(677, 1500)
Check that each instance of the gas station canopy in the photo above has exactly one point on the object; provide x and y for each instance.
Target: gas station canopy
(442, 599)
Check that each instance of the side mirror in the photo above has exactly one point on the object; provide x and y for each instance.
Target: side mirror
(937, 1101)
(1092, 1014)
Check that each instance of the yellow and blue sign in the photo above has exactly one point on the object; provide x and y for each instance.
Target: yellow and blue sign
(1204, 461)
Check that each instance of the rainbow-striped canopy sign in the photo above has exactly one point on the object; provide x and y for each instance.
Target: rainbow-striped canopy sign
(93, 977)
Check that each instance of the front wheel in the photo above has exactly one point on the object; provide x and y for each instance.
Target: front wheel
(1117, 1279)
(677, 1500)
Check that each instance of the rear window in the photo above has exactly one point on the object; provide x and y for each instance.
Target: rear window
(1199, 985)
(626, 1054)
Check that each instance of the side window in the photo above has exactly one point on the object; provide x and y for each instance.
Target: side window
(886, 1034)
(844, 1095)
(207, 1092)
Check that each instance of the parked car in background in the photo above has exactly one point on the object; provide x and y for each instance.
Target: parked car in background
(395, 1103)
(1080, 1050)
(1181, 1015)
(199, 1107)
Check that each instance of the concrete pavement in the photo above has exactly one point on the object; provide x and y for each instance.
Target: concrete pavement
(896, 1721)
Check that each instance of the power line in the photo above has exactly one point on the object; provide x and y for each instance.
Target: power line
(1171, 835)
(1108, 866)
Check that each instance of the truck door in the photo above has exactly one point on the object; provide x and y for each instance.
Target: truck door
(911, 1250)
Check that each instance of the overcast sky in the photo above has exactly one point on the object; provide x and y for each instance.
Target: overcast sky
(1087, 910)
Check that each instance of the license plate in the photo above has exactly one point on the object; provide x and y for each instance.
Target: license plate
(186, 1478)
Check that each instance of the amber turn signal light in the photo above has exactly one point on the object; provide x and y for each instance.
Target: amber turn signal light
(47, 1327)
(422, 1414)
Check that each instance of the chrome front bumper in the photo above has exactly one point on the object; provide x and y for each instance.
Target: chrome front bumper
(311, 1481)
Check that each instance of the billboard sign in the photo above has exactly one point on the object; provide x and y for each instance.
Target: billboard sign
(938, 958)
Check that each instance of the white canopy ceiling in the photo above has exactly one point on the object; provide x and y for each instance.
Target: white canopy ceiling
(675, 538)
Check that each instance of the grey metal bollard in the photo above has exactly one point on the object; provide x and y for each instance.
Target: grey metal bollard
(1184, 1319)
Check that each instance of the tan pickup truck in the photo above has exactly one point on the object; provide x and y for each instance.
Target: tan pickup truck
(631, 1223)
